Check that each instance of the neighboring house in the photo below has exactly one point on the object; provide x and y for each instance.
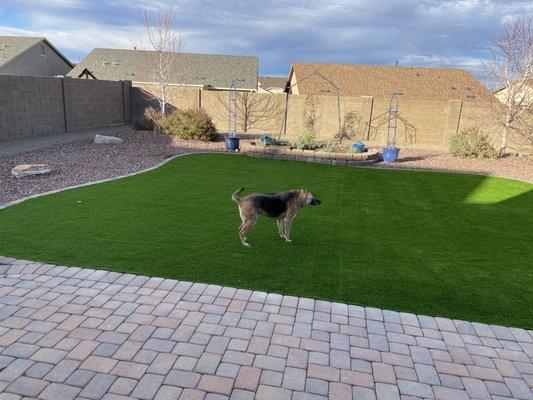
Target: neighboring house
(207, 71)
(271, 84)
(525, 92)
(415, 83)
(31, 56)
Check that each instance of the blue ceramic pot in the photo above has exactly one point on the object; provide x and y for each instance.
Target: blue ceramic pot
(390, 154)
(232, 143)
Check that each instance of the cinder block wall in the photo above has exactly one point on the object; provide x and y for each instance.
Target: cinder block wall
(36, 106)
(30, 106)
(424, 122)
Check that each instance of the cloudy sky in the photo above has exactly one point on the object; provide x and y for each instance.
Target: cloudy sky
(414, 32)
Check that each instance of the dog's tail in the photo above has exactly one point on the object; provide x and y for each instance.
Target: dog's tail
(234, 196)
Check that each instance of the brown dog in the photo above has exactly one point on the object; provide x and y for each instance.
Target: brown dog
(282, 207)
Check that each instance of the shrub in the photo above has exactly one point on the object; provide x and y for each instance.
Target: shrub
(307, 140)
(348, 130)
(189, 124)
(471, 143)
(148, 121)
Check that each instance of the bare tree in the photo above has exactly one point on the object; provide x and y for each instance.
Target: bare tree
(254, 110)
(509, 69)
(159, 52)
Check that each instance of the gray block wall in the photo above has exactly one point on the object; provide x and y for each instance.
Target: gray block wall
(36, 106)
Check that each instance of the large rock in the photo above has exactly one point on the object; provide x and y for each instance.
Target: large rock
(23, 170)
(100, 139)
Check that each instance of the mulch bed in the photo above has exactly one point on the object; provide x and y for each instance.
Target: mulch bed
(83, 161)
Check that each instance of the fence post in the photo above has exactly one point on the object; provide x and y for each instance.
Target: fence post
(285, 116)
(370, 111)
(123, 102)
(453, 119)
(64, 104)
(199, 98)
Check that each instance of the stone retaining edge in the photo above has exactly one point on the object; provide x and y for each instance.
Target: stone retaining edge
(320, 157)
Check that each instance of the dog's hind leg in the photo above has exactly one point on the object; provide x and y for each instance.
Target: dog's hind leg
(287, 223)
(245, 228)
(281, 228)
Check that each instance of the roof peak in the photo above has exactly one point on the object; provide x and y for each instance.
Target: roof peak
(181, 52)
(384, 66)
(22, 37)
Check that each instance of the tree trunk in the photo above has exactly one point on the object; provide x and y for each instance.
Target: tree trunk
(505, 135)
(163, 103)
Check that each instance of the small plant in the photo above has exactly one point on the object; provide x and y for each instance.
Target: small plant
(329, 148)
(190, 125)
(349, 126)
(148, 121)
(307, 140)
(471, 143)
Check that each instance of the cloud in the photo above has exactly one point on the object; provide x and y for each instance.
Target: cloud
(428, 32)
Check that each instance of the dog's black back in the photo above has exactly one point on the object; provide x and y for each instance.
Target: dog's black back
(273, 205)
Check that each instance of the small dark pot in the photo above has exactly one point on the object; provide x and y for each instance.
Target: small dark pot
(390, 154)
(232, 143)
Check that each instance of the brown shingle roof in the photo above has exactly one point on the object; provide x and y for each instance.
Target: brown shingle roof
(267, 82)
(414, 83)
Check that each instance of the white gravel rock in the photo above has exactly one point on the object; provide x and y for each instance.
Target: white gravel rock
(22, 170)
(100, 139)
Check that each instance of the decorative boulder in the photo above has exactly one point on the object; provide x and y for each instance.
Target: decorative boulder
(100, 139)
(23, 170)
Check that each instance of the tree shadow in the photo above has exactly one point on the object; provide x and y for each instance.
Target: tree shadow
(142, 99)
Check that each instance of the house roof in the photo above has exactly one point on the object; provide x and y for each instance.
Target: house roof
(416, 83)
(215, 70)
(13, 46)
(527, 82)
(267, 82)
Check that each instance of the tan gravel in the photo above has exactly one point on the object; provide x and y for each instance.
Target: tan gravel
(514, 167)
(83, 161)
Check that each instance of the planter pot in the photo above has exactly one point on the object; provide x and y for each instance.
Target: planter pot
(358, 147)
(232, 143)
(390, 154)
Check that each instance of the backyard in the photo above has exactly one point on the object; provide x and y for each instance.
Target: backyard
(452, 245)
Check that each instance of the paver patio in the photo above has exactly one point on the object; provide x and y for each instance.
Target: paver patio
(69, 333)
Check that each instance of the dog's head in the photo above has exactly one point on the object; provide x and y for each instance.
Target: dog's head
(310, 200)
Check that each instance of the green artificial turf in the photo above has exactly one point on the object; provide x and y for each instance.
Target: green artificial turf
(450, 245)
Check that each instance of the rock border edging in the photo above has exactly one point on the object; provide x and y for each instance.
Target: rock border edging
(321, 157)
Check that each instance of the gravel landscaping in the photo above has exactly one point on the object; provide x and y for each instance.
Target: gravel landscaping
(514, 167)
(83, 161)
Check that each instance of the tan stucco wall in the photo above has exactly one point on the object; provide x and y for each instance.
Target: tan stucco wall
(432, 123)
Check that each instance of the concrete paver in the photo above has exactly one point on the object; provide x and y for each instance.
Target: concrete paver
(69, 333)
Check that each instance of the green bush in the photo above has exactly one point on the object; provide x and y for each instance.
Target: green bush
(189, 124)
(471, 143)
(307, 140)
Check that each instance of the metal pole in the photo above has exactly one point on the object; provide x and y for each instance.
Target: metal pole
(286, 114)
(339, 113)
